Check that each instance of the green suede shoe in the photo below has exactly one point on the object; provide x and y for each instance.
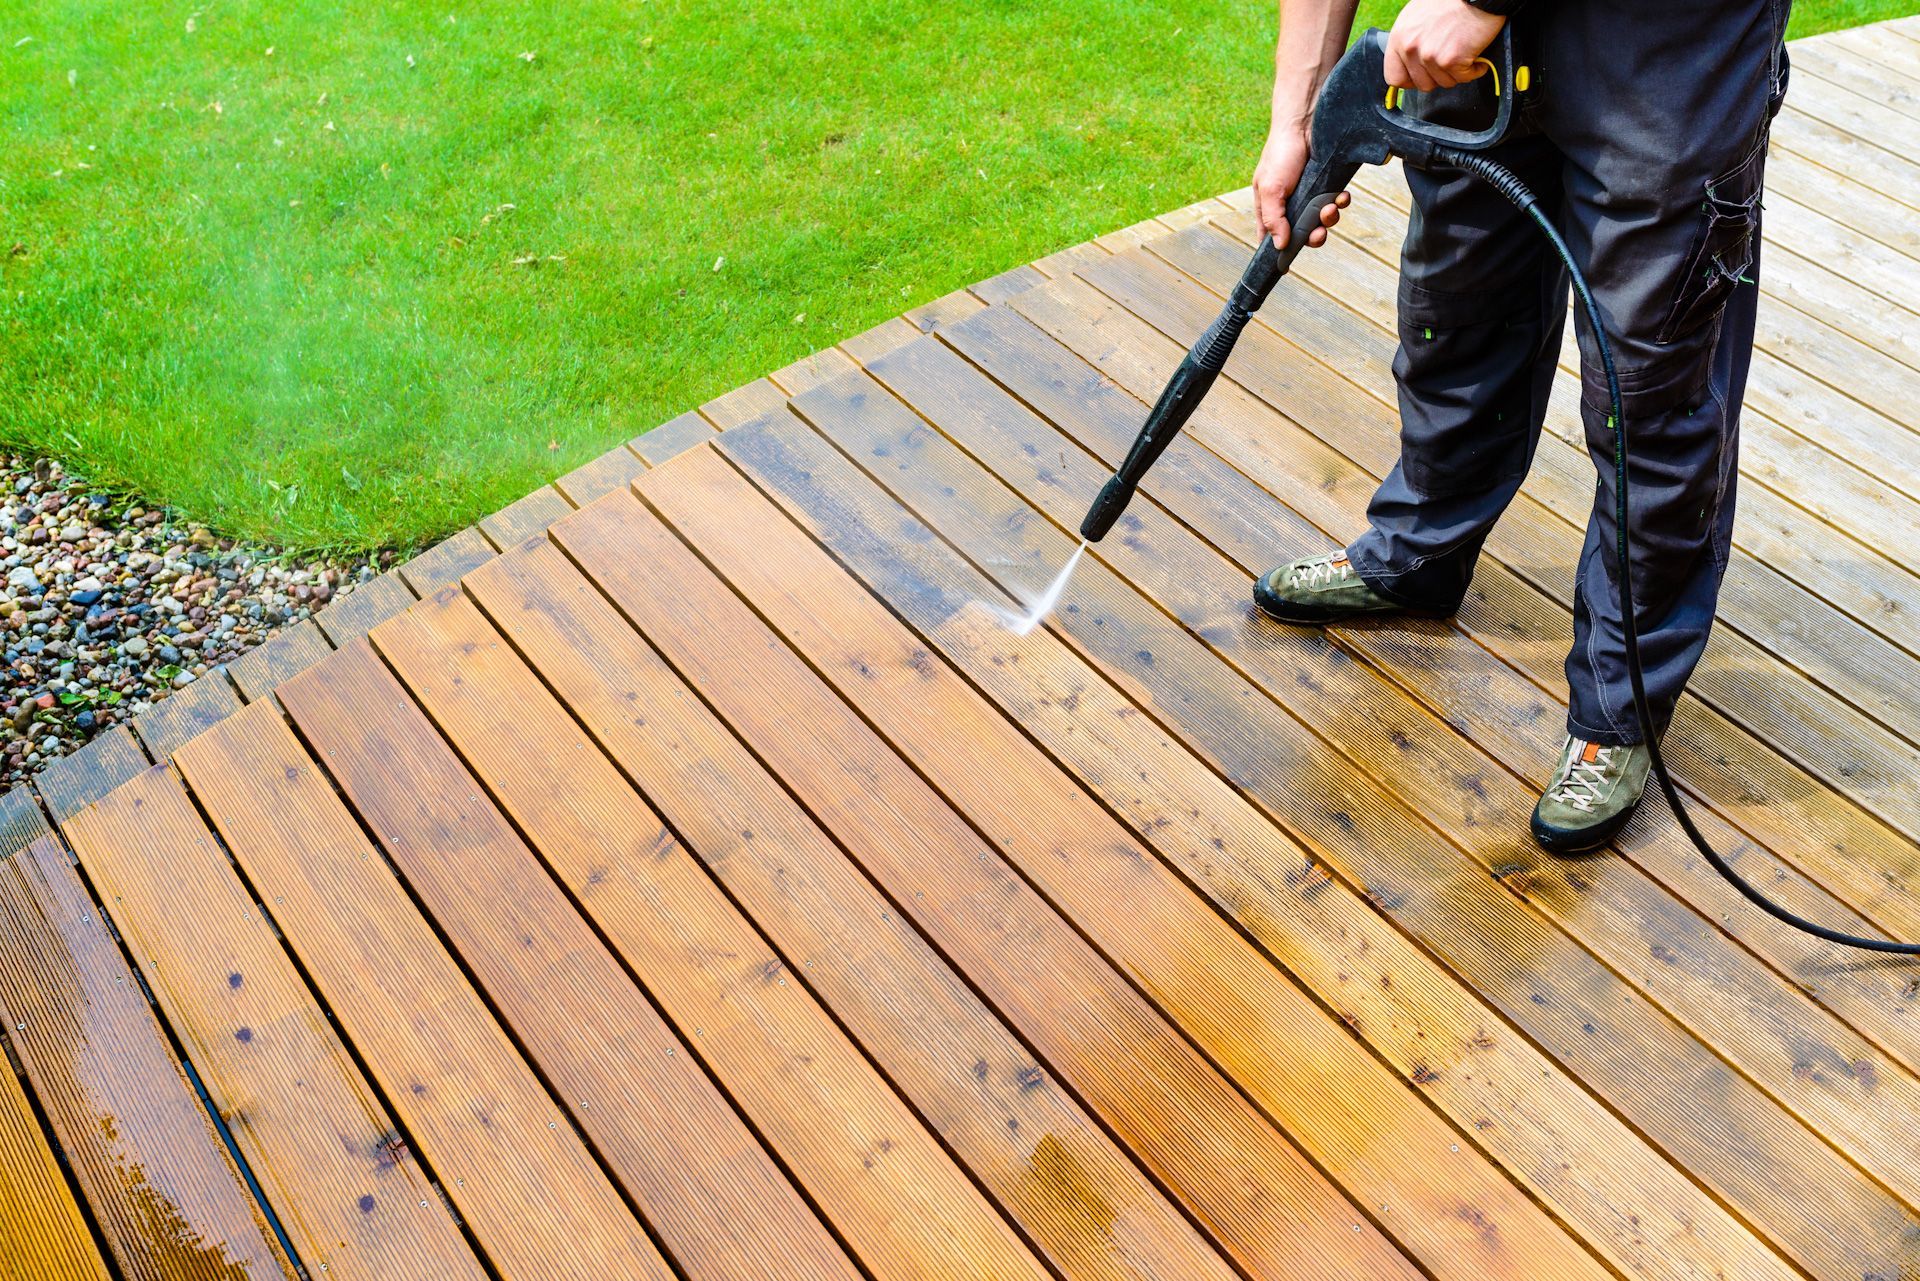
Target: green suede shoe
(1317, 589)
(1593, 793)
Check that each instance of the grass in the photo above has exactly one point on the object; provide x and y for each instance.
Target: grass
(348, 274)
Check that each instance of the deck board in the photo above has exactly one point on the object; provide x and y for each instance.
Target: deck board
(671, 1140)
(697, 880)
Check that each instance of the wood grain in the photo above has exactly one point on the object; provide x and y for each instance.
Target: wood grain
(43, 1236)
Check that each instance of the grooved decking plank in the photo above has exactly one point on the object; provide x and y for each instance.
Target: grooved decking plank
(345, 1185)
(1328, 490)
(742, 403)
(1094, 1030)
(1881, 47)
(350, 616)
(160, 1184)
(43, 1236)
(610, 471)
(287, 654)
(1860, 77)
(184, 713)
(810, 371)
(1640, 1212)
(1591, 1021)
(998, 289)
(944, 310)
(924, 1027)
(512, 524)
(74, 782)
(504, 1153)
(442, 565)
(1871, 214)
(760, 1030)
(720, 1206)
(879, 340)
(671, 438)
(1787, 712)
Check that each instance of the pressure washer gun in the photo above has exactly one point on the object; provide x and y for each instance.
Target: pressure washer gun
(1357, 120)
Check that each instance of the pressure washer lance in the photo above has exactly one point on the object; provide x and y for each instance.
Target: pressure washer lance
(1359, 119)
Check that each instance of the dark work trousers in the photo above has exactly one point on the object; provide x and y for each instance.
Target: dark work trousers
(1644, 135)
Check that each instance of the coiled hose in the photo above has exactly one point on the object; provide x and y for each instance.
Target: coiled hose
(1508, 184)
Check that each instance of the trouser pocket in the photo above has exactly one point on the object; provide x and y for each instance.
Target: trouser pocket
(1466, 395)
(1722, 250)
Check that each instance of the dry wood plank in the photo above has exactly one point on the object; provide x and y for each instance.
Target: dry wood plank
(1035, 1150)
(184, 713)
(998, 289)
(1883, 127)
(350, 615)
(1882, 47)
(1594, 1172)
(671, 437)
(159, 1182)
(743, 403)
(1065, 261)
(1302, 1066)
(74, 782)
(1828, 147)
(1479, 807)
(810, 371)
(879, 340)
(944, 310)
(43, 1236)
(1869, 213)
(512, 524)
(899, 1201)
(1883, 86)
(1130, 237)
(1331, 492)
(346, 1187)
(610, 471)
(288, 653)
(1095, 1031)
(507, 1156)
(719, 1204)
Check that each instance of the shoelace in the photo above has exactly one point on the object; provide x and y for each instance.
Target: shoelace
(1583, 782)
(1321, 573)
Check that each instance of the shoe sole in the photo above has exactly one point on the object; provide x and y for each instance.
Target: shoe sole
(1579, 840)
(1282, 610)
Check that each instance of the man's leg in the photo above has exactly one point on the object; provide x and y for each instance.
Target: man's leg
(1482, 307)
(1662, 118)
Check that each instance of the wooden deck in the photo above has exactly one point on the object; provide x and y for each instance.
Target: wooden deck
(681, 874)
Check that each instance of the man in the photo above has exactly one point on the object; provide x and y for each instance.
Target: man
(1644, 135)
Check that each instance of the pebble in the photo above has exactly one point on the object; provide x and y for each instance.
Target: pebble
(106, 608)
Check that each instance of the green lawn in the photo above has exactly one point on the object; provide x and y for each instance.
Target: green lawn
(354, 274)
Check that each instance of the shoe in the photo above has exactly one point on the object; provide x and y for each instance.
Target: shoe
(1593, 793)
(1317, 589)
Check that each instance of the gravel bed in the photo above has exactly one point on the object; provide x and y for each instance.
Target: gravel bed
(106, 607)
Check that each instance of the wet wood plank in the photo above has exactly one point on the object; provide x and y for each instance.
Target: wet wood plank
(1481, 810)
(1439, 1194)
(160, 1183)
(1005, 285)
(1594, 1172)
(43, 1236)
(909, 1212)
(1088, 1024)
(504, 1152)
(346, 1185)
(74, 782)
(720, 1206)
(1074, 1190)
(944, 310)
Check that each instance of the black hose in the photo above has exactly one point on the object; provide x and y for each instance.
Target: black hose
(1508, 184)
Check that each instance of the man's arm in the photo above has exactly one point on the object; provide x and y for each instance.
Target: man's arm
(1433, 44)
(1313, 35)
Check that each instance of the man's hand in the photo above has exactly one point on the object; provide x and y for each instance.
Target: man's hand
(1274, 179)
(1434, 44)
